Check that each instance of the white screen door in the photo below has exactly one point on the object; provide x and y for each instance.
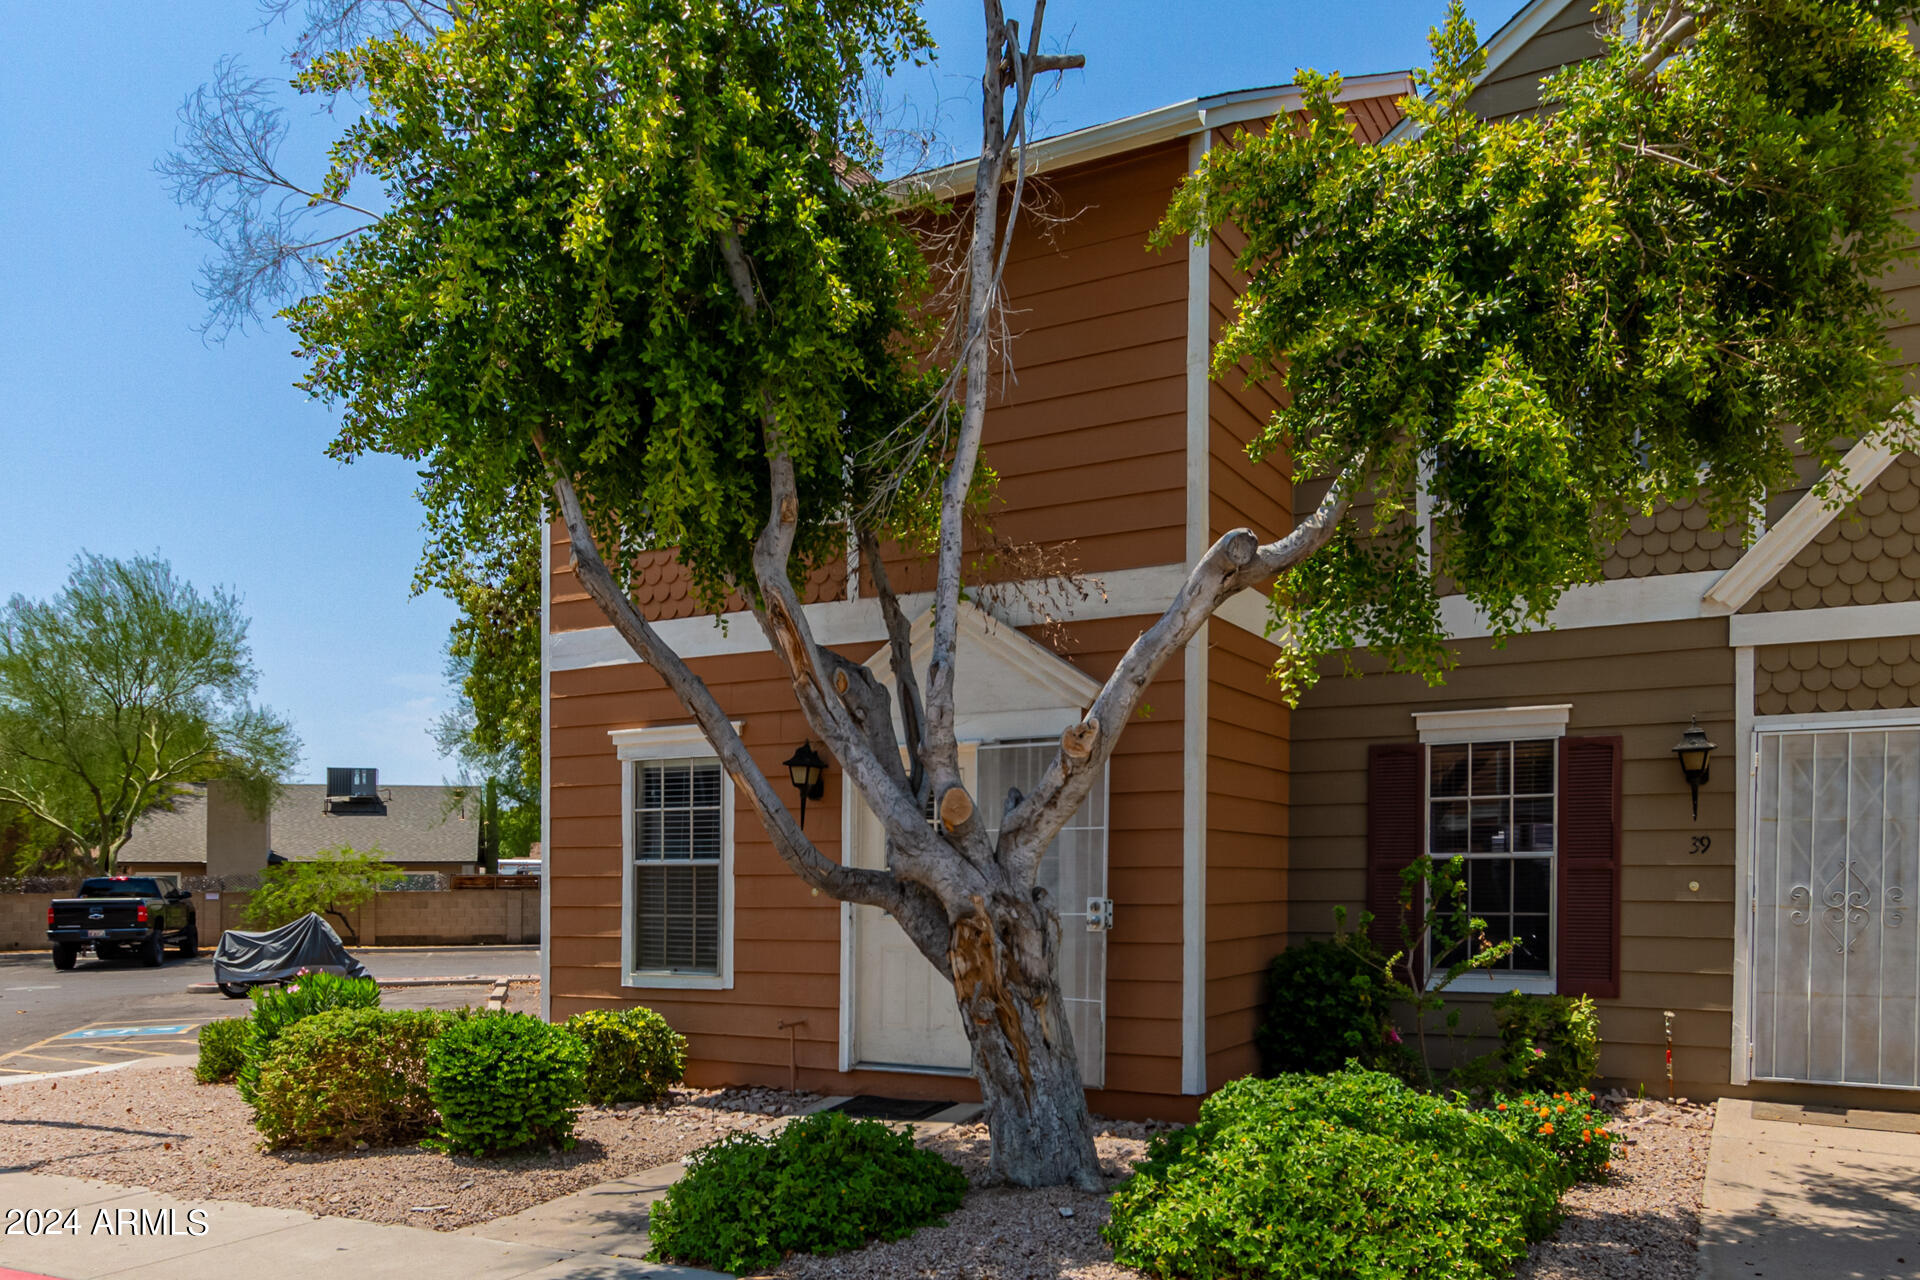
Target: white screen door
(1836, 860)
(904, 1011)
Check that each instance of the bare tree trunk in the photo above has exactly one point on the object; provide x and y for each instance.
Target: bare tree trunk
(1003, 957)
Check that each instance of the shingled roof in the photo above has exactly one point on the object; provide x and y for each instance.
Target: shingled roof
(409, 825)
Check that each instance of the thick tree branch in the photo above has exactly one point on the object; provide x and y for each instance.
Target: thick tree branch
(906, 682)
(848, 884)
(1235, 563)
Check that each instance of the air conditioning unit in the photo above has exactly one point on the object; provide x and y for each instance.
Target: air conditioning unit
(353, 784)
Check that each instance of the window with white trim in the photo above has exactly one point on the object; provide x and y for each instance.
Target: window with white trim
(676, 843)
(1492, 803)
(679, 834)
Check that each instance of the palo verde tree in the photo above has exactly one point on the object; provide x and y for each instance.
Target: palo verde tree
(119, 691)
(626, 261)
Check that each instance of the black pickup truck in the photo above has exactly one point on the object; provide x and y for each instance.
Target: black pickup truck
(120, 916)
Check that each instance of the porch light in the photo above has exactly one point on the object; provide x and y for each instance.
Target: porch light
(809, 774)
(1694, 751)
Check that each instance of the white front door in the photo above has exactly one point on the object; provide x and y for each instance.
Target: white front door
(904, 1011)
(905, 1014)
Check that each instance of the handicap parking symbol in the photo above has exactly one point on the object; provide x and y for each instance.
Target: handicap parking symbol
(109, 1033)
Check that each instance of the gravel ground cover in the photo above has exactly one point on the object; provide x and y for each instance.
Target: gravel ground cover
(155, 1128)
(1642, 1224)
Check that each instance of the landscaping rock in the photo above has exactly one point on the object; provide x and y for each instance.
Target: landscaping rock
(155, 1128)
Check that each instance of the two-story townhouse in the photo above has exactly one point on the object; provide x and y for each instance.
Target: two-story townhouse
(1117, 454)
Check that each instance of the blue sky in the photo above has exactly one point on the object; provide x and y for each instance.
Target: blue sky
(121, 431)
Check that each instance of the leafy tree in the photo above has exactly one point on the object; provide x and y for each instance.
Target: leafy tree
(627, 264)
(332, 883)
(119, 691)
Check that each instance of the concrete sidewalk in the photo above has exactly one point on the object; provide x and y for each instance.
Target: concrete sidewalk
(1813, 1194)
(126, 1232)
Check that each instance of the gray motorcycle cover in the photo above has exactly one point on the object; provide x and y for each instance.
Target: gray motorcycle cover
(280, 954)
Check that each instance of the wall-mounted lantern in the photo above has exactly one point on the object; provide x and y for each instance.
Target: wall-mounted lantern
(809, 774)
(1694, 751)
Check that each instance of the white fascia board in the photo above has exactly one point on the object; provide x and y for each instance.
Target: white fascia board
(662, 741)
(1667, 597)
(1507, 41)
(1121, 594)
(546, 767)
(1811, 626)
(1777, 547)
(1150, 128)
(1489, 724)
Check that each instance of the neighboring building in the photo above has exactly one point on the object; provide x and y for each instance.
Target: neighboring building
(1112, 446)
(1776, 925)
(208, 830)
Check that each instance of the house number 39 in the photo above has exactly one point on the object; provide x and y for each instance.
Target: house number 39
(1700, 845)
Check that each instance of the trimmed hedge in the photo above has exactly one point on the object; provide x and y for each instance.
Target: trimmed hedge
(634, 1056)
(502, 1081)
(274, 1010)
(1351, 1176)
(823, 1184)
(223, 1050)
(348, 1076)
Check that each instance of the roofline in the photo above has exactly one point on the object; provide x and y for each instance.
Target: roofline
(1507, 41)
(1149, 128)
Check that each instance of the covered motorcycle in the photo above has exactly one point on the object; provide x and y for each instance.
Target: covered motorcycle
(306, 945)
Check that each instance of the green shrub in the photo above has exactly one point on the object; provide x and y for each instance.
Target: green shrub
(1335, 1178)
(823, 1184)
(223, 1048)
(332, 882)
(634, 1056)
(347, 1076)
(1570, 1126)
(505, 1080)
(274, 1010)
(1548, 1043)
(1327, 1002)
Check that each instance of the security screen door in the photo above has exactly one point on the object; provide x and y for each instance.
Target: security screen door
(1836, 859)
(904, 1011)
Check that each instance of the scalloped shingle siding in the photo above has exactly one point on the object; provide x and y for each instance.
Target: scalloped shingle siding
(1674, 540)
(1838, 675)
(1870, 554)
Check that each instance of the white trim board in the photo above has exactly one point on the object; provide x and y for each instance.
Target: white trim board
(1493, 724)
(546, 768)
(1193, 665)
(1808, 626)
(1879, 718)
(1776, 548)
(1668, 597)
(1149, 128)
(1745, 762)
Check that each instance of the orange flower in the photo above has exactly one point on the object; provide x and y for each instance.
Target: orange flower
(1559, 1108)
(1543, 1113)
(1501, 1107)
(1546, 1128)
(1586, 1135)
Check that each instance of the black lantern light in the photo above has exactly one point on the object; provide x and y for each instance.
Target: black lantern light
(809, 774)
(1694, 751)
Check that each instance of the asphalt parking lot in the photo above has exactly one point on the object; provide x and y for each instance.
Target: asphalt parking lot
(101, 1013)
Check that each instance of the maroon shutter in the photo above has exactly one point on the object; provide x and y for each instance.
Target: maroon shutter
(1587, 920)
(1395, 798)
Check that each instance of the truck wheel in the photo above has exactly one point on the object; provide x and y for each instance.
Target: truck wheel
(190, 942)
(153, 952)
(64, 954)
(234, 990)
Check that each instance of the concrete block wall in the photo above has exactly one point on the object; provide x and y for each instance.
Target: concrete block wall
(449, 917)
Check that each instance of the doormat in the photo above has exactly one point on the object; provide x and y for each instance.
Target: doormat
(871, 1106)
(1837, 1117)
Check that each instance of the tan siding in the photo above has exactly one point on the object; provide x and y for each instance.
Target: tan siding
(1640, 682)
(1513, 88)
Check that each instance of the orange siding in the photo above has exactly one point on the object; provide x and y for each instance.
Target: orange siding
(787, 942)
(1247, 765)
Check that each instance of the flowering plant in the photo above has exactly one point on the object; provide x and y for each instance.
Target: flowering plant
(1573, 1127)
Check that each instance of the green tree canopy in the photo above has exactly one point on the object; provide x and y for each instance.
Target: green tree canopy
(119, 691)
(1648, 292)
